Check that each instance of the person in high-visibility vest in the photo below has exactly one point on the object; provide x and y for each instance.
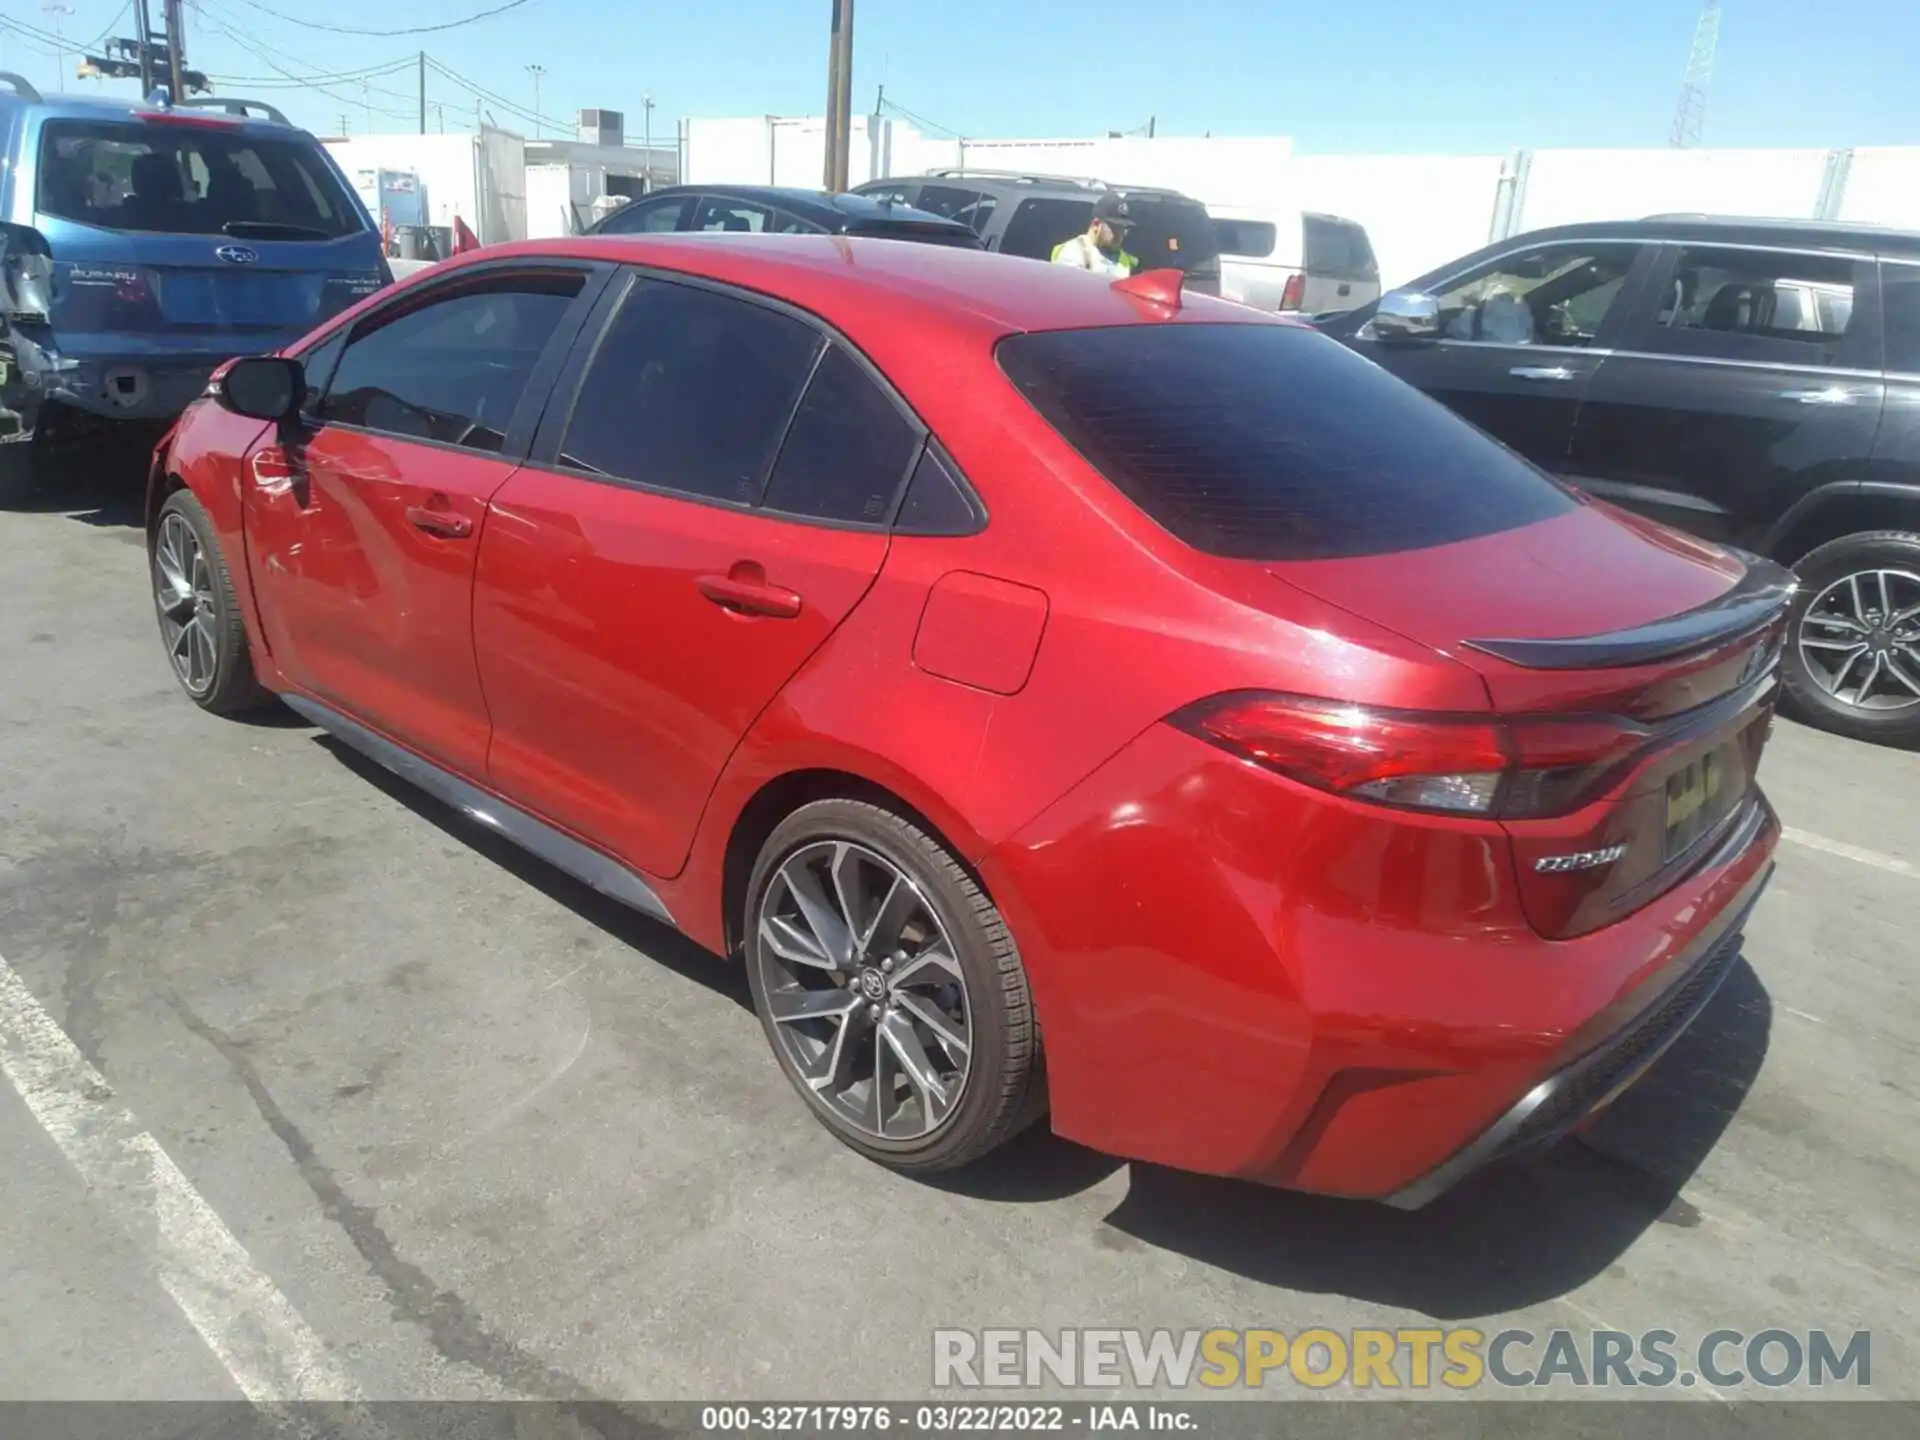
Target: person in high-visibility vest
(1102, 248)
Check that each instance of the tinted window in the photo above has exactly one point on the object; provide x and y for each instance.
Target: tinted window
(647, 217)
(1555, 295)
(191, 181)
(318, 364)
(1755, 304)
(1273, 443)
(1900, 298)
(1245, 237)
(454, 368)
(937, 503)
(847, 450)
(1338, 249)
(690, 391)
(969, 207)
(1039, 225)
(717, 213)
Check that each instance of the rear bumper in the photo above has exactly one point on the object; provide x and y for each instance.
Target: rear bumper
(1238, 976)
(132, 377)
(1564, 1100)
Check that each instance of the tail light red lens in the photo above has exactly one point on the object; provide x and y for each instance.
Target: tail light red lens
(1521, 767)
(1295, 294)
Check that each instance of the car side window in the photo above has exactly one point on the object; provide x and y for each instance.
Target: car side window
(970, 207)
(319, 363)
(689, 390)
(1553, 295)
(1729, 304)
(785, 222)
(716, 212)
(1037, 226)
(453, 368)
(1900, 316)
(898, 194)
(647, 217)
(848, 448)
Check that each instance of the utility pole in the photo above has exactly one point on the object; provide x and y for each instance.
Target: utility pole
(343, 122)
(839, 95)
(646, 110)
(366, 99)
(57, 10)
(423, 92)
(536, 71)
(176, 48)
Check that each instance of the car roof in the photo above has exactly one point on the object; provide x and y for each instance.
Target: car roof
(1737, 230)
(1053, 187)
(821, 206)
(67, 106)
(851, 280)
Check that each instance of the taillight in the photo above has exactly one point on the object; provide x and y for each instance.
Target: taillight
(1520, 767)
(1295, 294)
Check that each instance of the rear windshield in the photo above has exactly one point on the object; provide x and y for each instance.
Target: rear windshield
(1339, 249)
(1245, 237)
(190, 180)
(1272, 442)
(1166, 233)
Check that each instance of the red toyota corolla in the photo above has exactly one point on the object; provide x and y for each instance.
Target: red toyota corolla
(1058, 694)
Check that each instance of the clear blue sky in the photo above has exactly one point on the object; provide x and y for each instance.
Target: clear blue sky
(1390, 75)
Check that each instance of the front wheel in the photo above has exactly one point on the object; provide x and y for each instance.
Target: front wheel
(199, 614)
(1853, 646)
(889, 988)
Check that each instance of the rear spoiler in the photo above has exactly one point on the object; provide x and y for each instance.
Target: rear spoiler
(1760, 596)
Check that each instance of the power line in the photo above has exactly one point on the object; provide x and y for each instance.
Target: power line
(922, 120)
(112, 25)
(408, 30)
(306, 81)
(512, 106)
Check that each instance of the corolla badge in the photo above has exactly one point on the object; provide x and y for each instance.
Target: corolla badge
(237, 254)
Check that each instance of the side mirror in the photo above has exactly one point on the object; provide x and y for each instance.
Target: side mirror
(26, 275)
(1406, 315)
(264, 387)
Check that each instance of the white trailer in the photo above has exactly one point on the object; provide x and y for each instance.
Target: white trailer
(476, 176)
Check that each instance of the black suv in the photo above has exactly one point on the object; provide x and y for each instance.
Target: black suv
(1021, 214)
(778, 210)
(1754, 382)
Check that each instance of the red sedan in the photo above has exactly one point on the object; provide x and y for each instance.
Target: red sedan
(1063, 696)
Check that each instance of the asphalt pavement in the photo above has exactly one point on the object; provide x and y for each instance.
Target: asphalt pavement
(444, 1124)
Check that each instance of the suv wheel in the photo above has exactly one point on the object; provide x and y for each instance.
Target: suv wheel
(889, 988)
(1853, 648)
(199, 615)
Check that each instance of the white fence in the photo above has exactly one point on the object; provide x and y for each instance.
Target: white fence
(1420, 210)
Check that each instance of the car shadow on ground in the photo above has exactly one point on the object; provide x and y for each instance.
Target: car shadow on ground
(659, 943)
(1507, 1238)
(100, 482)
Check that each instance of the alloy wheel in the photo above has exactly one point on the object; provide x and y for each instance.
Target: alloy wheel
(183, 589)
(1860, 640)
(865, 991)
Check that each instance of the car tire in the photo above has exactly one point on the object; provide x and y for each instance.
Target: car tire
(16, 474)
(951, 957)
(199, 614)
(1837, 629)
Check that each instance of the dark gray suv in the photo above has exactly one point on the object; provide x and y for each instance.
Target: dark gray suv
(1020, 214)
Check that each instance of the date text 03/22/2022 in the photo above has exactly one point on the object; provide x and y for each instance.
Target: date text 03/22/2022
(945, 1419)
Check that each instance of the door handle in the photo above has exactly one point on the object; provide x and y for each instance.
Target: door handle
(1541, 372)
(1829, 395)
(439, 522)
(745, 590)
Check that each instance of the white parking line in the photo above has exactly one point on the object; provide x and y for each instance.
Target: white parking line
(252, 1329)
(1890, 863)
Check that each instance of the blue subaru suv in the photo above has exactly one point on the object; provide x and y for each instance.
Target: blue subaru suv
(141, 244)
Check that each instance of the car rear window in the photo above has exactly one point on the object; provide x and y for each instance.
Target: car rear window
(1272, 442)
(190, 180)
(1037, 226)
(1338, 249)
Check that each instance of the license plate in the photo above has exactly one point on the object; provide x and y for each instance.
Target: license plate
(1698, 795)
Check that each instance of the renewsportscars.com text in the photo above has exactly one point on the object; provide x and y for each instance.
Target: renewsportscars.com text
(1400, 1359)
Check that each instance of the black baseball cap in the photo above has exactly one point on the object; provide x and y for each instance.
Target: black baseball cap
(1112, 207)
